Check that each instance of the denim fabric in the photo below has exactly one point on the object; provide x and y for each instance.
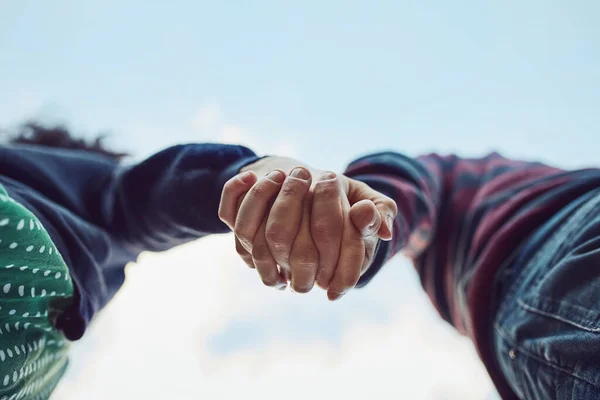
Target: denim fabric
(547, 325)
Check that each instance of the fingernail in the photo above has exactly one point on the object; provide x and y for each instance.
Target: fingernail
(275, 176)
(282, 287)
(390, 223)
(325, 176)
(300, 173)
(246, 177)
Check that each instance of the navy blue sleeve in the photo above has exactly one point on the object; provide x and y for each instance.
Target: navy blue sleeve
(172, 197)
(102, 215)
(168, 199)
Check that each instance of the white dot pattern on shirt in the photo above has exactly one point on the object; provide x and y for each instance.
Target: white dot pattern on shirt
(47, 363)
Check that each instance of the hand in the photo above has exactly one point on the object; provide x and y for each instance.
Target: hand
(324, 231)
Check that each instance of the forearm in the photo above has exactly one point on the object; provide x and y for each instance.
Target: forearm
(168, 199)
(442, 200)
(173, 196)
(416, 190)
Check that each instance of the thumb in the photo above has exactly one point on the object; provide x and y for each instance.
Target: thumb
(386, 207)
(366, 218)
(386, 231)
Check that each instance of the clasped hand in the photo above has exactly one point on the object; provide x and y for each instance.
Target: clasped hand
(302, 226)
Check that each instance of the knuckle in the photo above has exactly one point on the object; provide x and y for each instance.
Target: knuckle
(327, 188)
(361, 185)
(277, 235)
(240, 232)
(258, 191)
(261, 253)
(305, 258)
(324, 230)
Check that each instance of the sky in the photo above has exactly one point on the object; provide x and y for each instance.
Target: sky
(323, 81)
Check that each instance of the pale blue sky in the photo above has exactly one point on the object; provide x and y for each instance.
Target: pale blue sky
(331, 79)
(342, 77)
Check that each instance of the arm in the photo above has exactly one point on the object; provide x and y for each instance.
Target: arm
(103, 215)
(434, 196)
(172, 197)
(168, 199)
(416, 190)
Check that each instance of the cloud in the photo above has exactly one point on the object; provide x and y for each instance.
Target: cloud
(210, 119)
(207, 116)
(209, 123)
(157, 338)
(195, 322)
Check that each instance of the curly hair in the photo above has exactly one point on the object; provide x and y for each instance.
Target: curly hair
(58, 136)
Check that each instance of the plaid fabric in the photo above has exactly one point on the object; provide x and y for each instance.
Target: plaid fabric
(461, 219)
